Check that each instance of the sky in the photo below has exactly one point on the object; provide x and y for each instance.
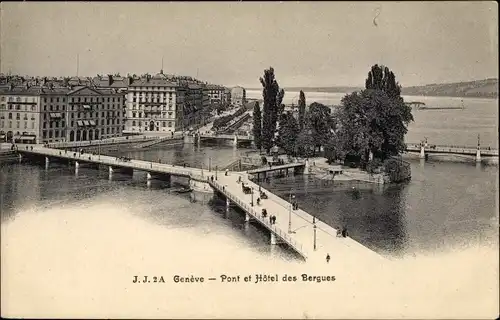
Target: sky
(231, 43)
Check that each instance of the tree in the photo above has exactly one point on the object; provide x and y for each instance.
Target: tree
(319, 120)
(302, 109)
(287, 133)
(381, 78)
(257, 126)
(305, 143)
(273, 97)
(371, 121)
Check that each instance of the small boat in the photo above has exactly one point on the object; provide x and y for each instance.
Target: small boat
(183, 190)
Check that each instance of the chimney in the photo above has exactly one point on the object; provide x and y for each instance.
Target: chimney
(44, 81)
(110, 80)
(11, 86)
(129, 80)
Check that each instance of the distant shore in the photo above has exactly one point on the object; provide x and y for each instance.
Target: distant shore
(403, 94)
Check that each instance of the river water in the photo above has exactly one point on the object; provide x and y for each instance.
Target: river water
(73, 242)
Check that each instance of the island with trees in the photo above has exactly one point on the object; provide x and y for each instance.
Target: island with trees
(366, 131)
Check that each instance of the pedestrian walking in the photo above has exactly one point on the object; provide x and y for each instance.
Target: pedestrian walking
(327, 258)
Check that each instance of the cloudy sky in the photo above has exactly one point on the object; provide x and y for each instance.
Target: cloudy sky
(308, 43)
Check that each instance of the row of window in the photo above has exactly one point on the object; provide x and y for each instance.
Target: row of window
(147, 123)
(76, 108)
(153, 108)
(18, 107)
(18, 116)
(83, 99)
(19, 99)
(18, 124)
(152, 88)
(145, 115)
(62, 133)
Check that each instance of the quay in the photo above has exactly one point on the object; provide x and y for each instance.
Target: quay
(309, 237)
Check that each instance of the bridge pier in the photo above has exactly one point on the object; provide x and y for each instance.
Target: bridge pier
(235, 140)
(159, 176)
(273, 239)
(478, 155)
(189, 139)
(422, 152)
(247, 217)
(307, 167)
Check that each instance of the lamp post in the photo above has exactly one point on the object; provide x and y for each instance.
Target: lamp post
(216, 169)
(290, 213)
(209, 164)
(314, 228)
(251, 203)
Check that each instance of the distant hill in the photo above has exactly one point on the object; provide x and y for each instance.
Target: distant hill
(487, 88)
(475, 89)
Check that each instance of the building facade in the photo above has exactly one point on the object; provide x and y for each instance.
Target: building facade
(238, 96)
(94, 113)
(59, 114)
(20, 114)
(215, 94)
(155, 105)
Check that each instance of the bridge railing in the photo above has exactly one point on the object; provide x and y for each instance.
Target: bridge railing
(430, 146)
(294, 244)
(75, 144)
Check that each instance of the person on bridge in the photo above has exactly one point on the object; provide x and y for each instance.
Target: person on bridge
(327, 258)
(226, 173)
(258, 201)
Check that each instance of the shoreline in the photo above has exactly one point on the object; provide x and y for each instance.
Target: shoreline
(403, 94)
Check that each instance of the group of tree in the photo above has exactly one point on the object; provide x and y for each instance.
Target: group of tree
(369, 123)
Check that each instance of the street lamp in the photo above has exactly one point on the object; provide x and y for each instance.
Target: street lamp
(209, 164)
(314, 229)
(290, 213)
(216, 169)
(251, 203)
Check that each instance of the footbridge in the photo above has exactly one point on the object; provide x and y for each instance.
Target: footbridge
(302, 232)
(424, 149)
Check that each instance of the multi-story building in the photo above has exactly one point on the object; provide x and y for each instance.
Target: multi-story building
(20, 114)
(155, 104)
(215, 94)
(238, 96)
(94, 113)
(57, 114)
(194, 104)
(227, 95)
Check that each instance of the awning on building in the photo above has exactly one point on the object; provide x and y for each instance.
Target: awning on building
(86, 123)
(30, 138)
(56, 115)
(79, 123)
(92, 123)
(86, 106)
(2, 136)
